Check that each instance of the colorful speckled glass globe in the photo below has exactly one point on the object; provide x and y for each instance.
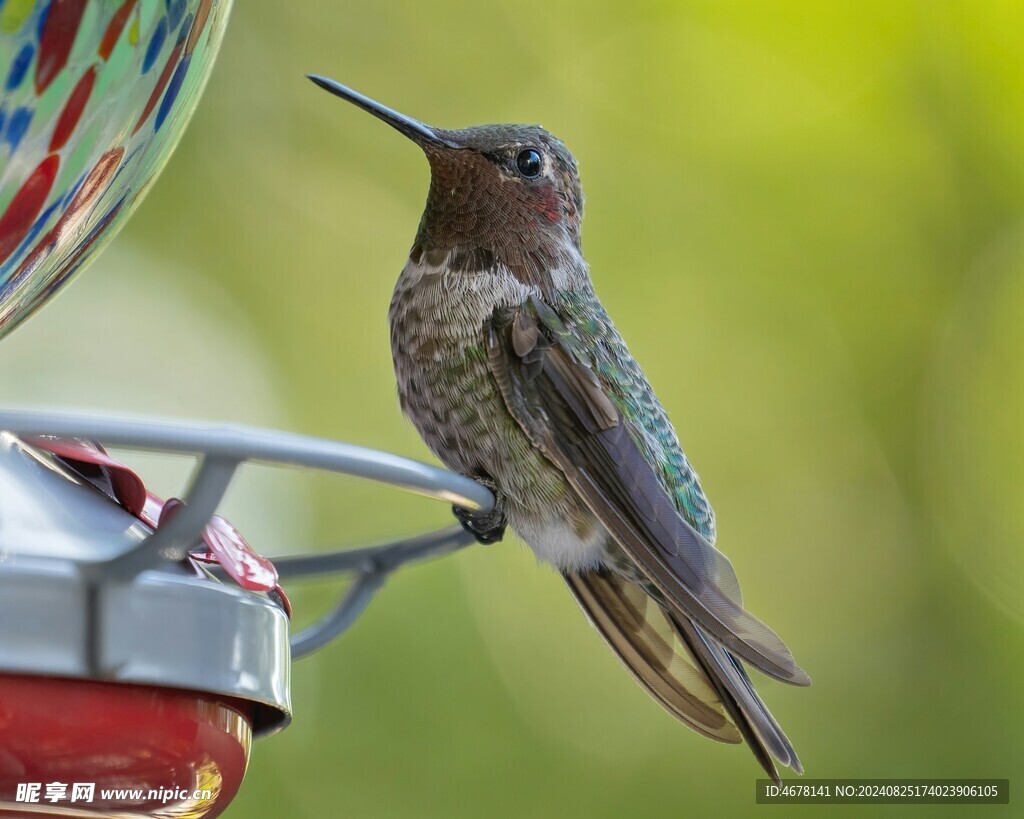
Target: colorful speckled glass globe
(94, 95)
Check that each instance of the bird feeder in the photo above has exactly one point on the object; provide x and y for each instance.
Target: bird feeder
(139, 659)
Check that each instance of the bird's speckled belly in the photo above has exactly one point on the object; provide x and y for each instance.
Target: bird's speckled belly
(449, 394)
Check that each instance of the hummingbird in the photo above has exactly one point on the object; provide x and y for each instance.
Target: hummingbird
(513, 373)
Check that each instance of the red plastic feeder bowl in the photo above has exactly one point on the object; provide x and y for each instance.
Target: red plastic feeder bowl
(111, 748)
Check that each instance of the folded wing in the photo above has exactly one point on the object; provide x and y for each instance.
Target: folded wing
(562, 407)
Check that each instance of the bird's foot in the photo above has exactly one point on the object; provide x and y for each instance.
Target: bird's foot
(486, 527)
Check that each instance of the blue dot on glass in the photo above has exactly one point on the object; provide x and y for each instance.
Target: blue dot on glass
(155, 44)
(43, 14)
(186, 27)
(19, 66)
(17, 126)
(171, 94)
(175, 13)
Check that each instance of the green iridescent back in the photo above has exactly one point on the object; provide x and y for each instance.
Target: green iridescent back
(587, 330)
(94, 95)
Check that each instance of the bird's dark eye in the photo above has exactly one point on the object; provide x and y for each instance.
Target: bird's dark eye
(529, 163)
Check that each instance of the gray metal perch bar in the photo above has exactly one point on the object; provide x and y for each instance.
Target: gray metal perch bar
(220, 449)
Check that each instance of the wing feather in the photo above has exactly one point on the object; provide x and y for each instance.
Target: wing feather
(560, 404)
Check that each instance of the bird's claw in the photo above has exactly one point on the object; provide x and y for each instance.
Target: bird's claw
(486, 527)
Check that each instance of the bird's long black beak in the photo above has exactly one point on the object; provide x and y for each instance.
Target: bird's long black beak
(422, 135)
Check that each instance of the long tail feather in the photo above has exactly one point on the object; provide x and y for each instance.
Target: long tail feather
(747, 710)
(689, 674)
(638, 631)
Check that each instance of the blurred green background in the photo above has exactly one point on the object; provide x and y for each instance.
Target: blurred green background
(806, 219)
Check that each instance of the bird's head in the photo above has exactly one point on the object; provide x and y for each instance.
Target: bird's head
(509, 192)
